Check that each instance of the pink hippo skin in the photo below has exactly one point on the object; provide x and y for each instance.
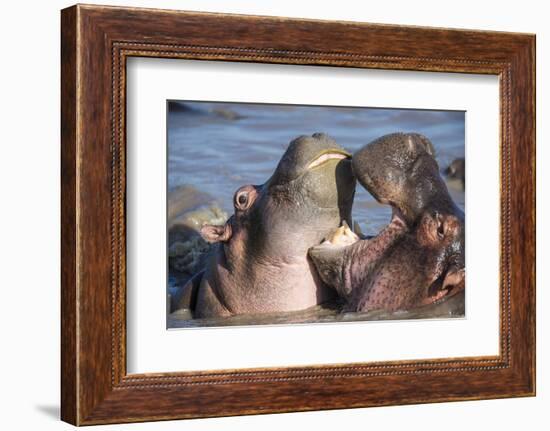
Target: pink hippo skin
(260, 263)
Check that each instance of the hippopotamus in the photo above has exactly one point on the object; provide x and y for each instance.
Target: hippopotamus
(457, 171)
(188, 210)
(418, 259)
(260, 262)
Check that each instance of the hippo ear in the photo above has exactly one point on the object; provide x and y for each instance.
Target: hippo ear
(216, 233)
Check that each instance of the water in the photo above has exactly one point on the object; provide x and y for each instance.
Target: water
(217, 147)
(451, 308)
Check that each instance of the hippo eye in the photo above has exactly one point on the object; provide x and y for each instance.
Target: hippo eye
(241, 200)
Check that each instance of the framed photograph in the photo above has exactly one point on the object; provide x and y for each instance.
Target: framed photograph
(264, 214)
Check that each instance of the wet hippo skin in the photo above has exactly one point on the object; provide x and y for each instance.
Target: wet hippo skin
(418, 259)
(260, 264)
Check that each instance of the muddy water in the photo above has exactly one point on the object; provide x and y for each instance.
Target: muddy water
(451, 308)
(217, 147)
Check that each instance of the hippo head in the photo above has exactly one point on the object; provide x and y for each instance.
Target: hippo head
(419, 256)
(400, 170)
(457, 171)
(307, 196)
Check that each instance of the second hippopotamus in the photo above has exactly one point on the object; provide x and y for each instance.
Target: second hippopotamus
(418, 259)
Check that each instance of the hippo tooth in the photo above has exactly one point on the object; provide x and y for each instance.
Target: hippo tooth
(342, 235)
(352, 237)
(357, 229)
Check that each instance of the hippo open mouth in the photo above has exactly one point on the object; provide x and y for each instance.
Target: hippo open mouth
(418, 258)
(393, 265)
(327, 156)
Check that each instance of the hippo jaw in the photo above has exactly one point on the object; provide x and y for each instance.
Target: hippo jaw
(400, 268)
(345, 255)
(308, 195)
(330, 257)
(400, 170)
